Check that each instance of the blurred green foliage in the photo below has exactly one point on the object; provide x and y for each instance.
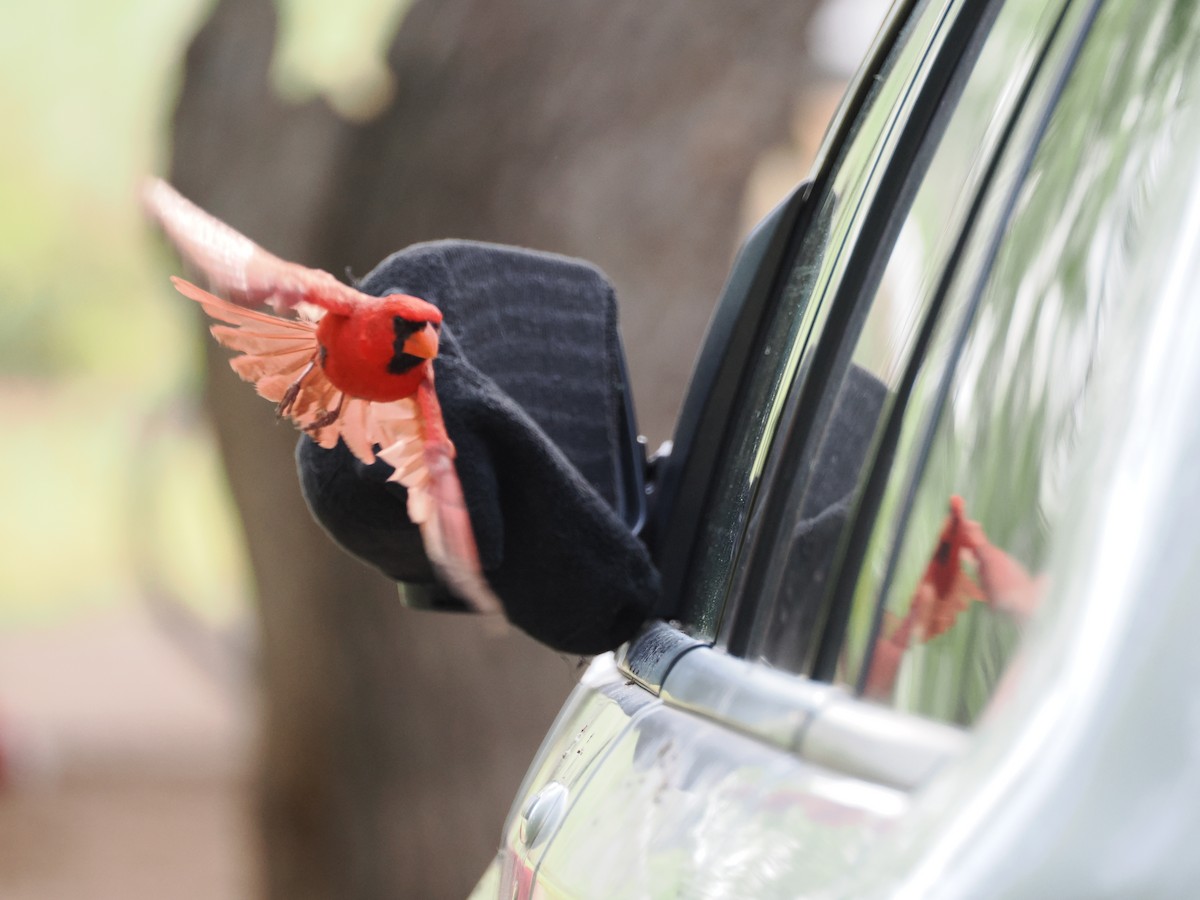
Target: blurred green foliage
(108, 471)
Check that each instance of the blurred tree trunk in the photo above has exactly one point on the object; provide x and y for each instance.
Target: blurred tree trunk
(622, 132)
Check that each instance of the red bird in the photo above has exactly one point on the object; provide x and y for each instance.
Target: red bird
(351, 366)
(946, 589)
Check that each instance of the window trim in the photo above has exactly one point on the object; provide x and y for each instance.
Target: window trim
(822, 723)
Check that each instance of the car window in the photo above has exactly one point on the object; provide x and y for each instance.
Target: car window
(834, 197)
(854, 175)
(818, 465)
(956, 564)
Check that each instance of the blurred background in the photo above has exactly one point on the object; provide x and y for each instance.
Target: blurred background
(200, 696)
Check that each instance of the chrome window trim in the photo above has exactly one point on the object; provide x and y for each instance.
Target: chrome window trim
(820, 723)
(649, 657)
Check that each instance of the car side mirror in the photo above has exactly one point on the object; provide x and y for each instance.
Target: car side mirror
(533, 386)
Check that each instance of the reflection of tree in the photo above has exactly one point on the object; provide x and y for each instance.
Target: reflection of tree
(623, 132)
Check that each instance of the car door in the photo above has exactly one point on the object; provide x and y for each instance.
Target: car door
(915, 356)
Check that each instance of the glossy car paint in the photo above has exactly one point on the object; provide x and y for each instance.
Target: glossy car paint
(677, 770)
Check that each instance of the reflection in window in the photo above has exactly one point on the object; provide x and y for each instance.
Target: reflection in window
(821, 469)
(964, 569)
(991, 463)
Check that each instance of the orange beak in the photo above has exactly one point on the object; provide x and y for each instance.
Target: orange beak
(423, 343)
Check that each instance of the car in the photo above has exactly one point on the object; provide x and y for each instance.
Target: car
(929, 531)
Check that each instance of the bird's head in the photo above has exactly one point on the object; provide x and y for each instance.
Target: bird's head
(380, 352)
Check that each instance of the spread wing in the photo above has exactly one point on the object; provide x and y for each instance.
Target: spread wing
(234, 265)
(423, 461)
(281, 358)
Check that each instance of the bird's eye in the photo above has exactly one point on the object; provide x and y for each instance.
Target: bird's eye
(405, 328)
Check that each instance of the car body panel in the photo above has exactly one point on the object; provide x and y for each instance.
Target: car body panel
(677, 769)
(594, 717)
(714, 814)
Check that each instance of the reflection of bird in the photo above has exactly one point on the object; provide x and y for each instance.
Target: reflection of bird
(351, 366)
(945, 590)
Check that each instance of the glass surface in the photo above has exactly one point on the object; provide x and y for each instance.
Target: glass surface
(842, 185)
(831, 219)
(987, 452)
(821, 478)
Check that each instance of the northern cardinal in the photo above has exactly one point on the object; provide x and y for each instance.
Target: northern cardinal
(350, 366)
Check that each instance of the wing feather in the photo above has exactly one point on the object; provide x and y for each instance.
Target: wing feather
(423, 462)
(275, 387)
(258, 340)
(258, 366)
(278, 356)
(236, 266)
(355, 422)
